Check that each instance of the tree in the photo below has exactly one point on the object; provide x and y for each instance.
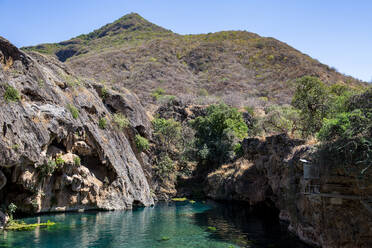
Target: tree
(167, 131)
(311, 98)
(284, 119)
(218, 133)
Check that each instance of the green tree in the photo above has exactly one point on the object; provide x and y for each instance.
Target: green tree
(311, 98)
(218, 133)
(284, 119)
(167, 131)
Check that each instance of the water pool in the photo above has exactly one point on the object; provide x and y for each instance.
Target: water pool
(176, 225)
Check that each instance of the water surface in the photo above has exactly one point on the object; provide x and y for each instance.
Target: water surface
(167, 225)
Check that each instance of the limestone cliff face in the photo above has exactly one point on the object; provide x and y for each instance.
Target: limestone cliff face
(59, 146)
(271, 172)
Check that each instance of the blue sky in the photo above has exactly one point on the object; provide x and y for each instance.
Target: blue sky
(336, 32)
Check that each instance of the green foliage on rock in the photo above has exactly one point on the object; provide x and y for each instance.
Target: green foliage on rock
(73, 110)
(12, 208)
(102, 123)
(121, 121)
(77, 161)
(159, 92)
(59, 161)
(48, 168)
(142, 143)
(11, 94)
(218, 132)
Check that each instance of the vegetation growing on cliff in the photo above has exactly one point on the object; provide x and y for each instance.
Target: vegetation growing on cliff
(218, 133)
(142, 143)
(11, 94)
(341, 118)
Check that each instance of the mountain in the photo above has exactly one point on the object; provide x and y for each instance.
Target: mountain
(239, 67)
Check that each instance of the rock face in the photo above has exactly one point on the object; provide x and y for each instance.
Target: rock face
(3, 220)
(60, 148)
(271, 172)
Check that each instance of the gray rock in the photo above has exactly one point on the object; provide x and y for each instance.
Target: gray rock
(39, 127)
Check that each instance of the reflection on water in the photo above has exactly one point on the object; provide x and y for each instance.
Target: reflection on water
(166, 225)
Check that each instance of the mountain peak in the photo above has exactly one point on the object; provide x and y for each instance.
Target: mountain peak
(132, 22)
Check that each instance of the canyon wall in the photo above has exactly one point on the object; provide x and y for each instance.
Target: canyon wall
(60, 148)
(326, 210)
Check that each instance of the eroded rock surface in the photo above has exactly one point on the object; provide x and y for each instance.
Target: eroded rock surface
(54, 155)
(271, 173)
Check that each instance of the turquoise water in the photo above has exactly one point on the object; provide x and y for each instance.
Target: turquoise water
(176, 225)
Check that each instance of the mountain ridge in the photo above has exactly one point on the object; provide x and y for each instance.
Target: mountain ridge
(239, 67)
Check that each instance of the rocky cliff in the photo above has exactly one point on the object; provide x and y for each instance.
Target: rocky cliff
(326, 210)
(60, 148)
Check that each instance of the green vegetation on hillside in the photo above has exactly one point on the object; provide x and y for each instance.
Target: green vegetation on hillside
(237, 67)
(218, 133)
(341, 118)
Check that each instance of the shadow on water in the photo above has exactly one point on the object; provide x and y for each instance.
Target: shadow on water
(168, 225)
(247, 227)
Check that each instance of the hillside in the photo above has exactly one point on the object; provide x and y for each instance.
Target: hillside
(239, 67)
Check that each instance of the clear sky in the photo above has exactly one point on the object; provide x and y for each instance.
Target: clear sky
(336, 32)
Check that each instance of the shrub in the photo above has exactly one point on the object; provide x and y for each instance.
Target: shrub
(167, 131)
(347, 136)
(311, 98)
(121, 121)
(48, 168)
(104, 92)
(59, 161)
(218, 132)
(102, 123)
(77, 161)
(165, 166)
(12, 208)
(284, 119)
(142, 143)
(250, 110)
(203, 92)
(73, 110)
(158, 93)
(11, 94)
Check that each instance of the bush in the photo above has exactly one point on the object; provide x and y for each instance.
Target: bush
(165, 166)
(158, 93)
(121, 121)
(59, 161)
(48, 168)
(12, 208)
(73, 110)
(102, 123)
(347, 136)
(167, 131)
(218, 132)
(11, 94)
(142, 143)
(77, 161)
(311, 98)
(283, 119)
(203, 92)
